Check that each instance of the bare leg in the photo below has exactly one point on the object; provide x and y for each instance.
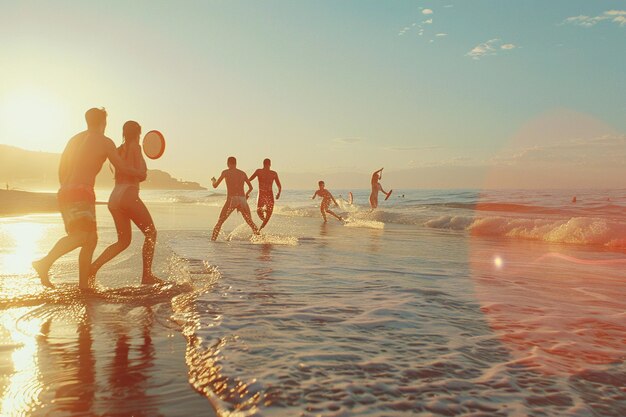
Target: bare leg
(323, 211)
(261, 210)
(268, 214)
(84, 260)
(374, 200)
(141, 217)
(226, 211)
(122, 224)
(329, 211)
(64, 245)
(247, 216)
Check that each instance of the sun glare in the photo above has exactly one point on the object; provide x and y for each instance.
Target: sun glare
(21, 395)
(23, 240)
(34, 119)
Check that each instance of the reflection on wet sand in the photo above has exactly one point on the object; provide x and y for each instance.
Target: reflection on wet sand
(91, 357)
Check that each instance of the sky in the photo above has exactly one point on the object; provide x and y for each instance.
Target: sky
(448, 94)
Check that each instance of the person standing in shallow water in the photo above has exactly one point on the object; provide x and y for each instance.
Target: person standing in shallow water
(326, 197)
(126, 206)
(236, 199)
(80, 162)
(376, 187)
(265, 202)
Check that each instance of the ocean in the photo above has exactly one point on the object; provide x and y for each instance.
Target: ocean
(438, 303)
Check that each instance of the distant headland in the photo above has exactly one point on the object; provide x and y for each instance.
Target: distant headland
(31, 170)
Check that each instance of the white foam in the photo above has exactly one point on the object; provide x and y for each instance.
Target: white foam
(273, 239)
(367, 224)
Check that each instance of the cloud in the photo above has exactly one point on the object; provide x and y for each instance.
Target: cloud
(421, 26)
(607, 150)
(491, 47)
(413, 148)
(347, 141)
(615, 16)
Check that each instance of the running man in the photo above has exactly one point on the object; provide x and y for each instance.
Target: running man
(376, 187)
(81, 161)
(326, 197)
(236, 199)
(265, 202)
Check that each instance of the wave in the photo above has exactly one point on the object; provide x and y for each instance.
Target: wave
(211, 199)
(591, 231)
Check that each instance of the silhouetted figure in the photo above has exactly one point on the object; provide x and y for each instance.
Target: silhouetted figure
(81, 161)
(574, 199)
(236, 199)
(326, 197)
(376, 187)
(125, 205)
(265, 202)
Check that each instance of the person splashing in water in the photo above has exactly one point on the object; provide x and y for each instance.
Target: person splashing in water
(265, 202)
(376, 187)
(236, 199)
(126, 206)
(81, 161)
(326, 197)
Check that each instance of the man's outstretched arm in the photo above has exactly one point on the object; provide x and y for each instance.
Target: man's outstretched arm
(280, 187)
(250, 187)
(219, 180)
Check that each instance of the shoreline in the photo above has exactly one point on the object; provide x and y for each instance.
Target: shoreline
(13, 202)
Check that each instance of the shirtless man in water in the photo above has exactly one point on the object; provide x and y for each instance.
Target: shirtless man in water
(236, 199)
(265, 203)
(81, 161)
(326, 197)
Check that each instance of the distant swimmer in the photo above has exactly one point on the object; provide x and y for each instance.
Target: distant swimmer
(574, 199)
(125, 206)
(326, 197)
(80, 162)
(236, 199)
(265, 202)
(376, 187)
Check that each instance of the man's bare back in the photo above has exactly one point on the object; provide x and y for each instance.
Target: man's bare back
(84, 156)
(235, 180)
(266, 179)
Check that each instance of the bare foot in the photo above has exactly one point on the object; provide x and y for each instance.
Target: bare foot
(151, 280)
(42, 271)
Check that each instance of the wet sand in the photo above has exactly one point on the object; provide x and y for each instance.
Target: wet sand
(14, 202)
(118, 351)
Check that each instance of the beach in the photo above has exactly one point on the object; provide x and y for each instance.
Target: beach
(14, 202)
(444, 302)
